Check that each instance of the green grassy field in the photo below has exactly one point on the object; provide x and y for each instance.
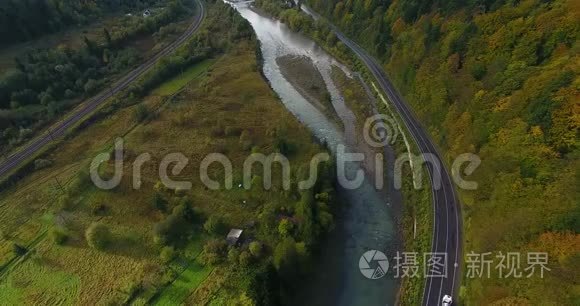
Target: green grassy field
(185, 283)
(178, 82)
(41, 283)
(190, 274)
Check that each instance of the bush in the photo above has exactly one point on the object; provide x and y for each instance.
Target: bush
(159, 202)
(233, 256)
(245, 258)
(91, 86)
(169, 229)
(214, 225)
(42, 163)
(58, 235)
(168, 276)
(98, 209)
(478, 70)
(285, 227)
(184, 210)
(65, 203)
(218, 246)
(286, 258)
(141, 113)
(98, 236)
(167, 254)
(214, 251)
(180, 192)
(255, 248)
(176, 225)
(19, 250)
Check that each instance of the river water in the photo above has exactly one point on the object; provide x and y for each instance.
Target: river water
(366, 222)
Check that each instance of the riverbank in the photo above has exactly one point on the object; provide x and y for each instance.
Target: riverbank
(415, 216)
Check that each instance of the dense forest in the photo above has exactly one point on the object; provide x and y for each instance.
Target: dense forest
(46, 82)
(21, 20)
(499, 79)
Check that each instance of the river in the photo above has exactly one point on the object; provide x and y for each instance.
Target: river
(366, 222)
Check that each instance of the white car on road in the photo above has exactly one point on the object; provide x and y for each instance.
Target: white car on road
(447, 300)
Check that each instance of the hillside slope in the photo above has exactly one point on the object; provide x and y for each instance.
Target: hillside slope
(499, 80)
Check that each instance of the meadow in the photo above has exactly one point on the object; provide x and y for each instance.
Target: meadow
(205, 109)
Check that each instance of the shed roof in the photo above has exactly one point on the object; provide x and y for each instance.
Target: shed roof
(235, 233)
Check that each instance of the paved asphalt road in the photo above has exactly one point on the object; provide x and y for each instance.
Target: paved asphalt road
(15, 160)
(447, 217)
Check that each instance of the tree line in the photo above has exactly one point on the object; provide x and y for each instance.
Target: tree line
(21, 20)
(48, 81)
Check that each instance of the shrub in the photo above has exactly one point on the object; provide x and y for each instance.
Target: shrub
(98, 236)
(255, 248)
(175, 226)
(159, 202)
(218, 246)
(210, 259)
(284, 147)
(285, 227)
(159, 239)
(245, 258)
(184, 210)
(98, 209)
(180, 192)
(141, 113)
(80, 182)
(478, 70)
(159, 187)
(169, 229)
(65, 203)
(42, 163)
(214, 225)
(58, 235)
(214, 251)
(91, 86)
(168, 276)
(167, 254)
(233, 256)
(286, 258)
(19, 250)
